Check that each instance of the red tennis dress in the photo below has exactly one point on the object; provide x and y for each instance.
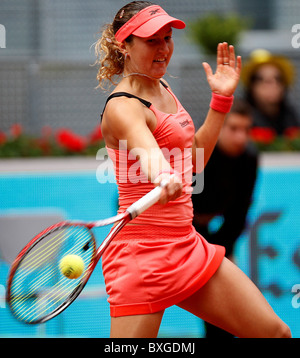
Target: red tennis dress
(161, 260)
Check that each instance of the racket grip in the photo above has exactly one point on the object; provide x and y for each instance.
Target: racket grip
(146, 201)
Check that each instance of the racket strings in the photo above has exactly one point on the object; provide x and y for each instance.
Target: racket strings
(47, 301)
(43, 300)
(47, 248)
(38, 286)
(29, 264)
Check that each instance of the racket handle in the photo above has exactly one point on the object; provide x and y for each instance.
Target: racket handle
(146, 201)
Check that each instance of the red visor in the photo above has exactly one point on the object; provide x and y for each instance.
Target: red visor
(147, 22)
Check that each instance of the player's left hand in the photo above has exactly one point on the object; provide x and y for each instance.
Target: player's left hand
(226, 78)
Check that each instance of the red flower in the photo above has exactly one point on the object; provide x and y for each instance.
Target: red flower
(292, 133)
(263, 135)
(2, 138)
(71, 141)
(16, 130)
(47, 131)
(96, 135)
(44, 145)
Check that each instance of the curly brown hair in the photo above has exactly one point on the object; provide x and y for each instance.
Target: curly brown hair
(109, 56)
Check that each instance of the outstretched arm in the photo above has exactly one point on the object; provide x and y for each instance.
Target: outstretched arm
(223, 83)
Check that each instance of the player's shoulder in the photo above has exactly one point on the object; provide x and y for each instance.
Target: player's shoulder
(123, 108)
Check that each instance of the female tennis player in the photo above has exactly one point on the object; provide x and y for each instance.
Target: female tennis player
(160, 260)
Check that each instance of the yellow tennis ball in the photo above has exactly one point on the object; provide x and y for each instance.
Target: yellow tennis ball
(71, 266)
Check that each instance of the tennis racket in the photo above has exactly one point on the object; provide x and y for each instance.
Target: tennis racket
(37, 291)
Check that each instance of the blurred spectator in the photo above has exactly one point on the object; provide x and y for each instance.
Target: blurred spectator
(229, 179)
(267, 79)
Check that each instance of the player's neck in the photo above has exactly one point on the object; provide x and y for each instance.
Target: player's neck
(142, 85)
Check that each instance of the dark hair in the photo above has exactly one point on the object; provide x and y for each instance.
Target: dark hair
(127, 12)
(109, 56)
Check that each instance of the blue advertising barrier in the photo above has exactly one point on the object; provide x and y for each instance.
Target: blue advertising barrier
(34, 192)
(269, 250)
